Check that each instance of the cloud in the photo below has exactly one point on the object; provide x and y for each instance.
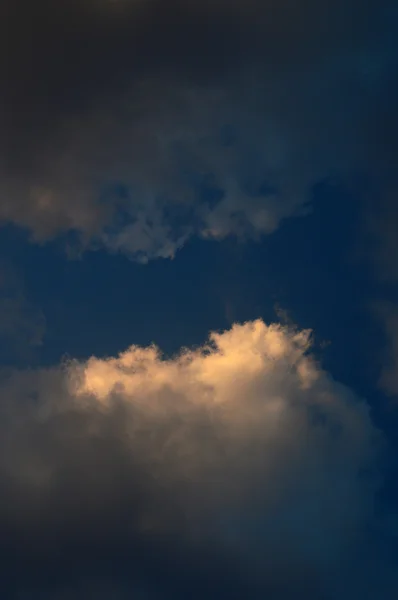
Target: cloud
(140, 124)
(239, 468)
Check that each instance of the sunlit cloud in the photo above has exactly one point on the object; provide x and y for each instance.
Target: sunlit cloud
(244, 445)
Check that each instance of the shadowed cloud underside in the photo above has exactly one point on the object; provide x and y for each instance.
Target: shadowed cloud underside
(137, 125)
(242, 455)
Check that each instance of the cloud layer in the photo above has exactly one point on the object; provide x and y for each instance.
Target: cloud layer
(140, 124)
(237, 469)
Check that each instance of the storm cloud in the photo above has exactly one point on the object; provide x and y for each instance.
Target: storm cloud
(138, 124)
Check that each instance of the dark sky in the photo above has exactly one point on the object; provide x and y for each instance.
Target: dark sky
(198, 299)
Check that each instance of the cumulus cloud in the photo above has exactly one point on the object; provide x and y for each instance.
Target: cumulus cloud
(140, 124)
(239, 468)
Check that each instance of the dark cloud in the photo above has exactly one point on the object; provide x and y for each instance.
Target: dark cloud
(147, 109)
(140, 477)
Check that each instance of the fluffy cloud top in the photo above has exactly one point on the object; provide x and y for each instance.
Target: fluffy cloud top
(140, 124)
(239, 468)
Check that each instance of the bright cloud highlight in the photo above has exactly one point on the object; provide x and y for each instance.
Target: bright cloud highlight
(244, 448)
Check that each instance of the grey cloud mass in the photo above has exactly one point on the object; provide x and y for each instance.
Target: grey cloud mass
(239, 469)
(140, 124)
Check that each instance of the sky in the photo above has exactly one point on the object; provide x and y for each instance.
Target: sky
(199, 299)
